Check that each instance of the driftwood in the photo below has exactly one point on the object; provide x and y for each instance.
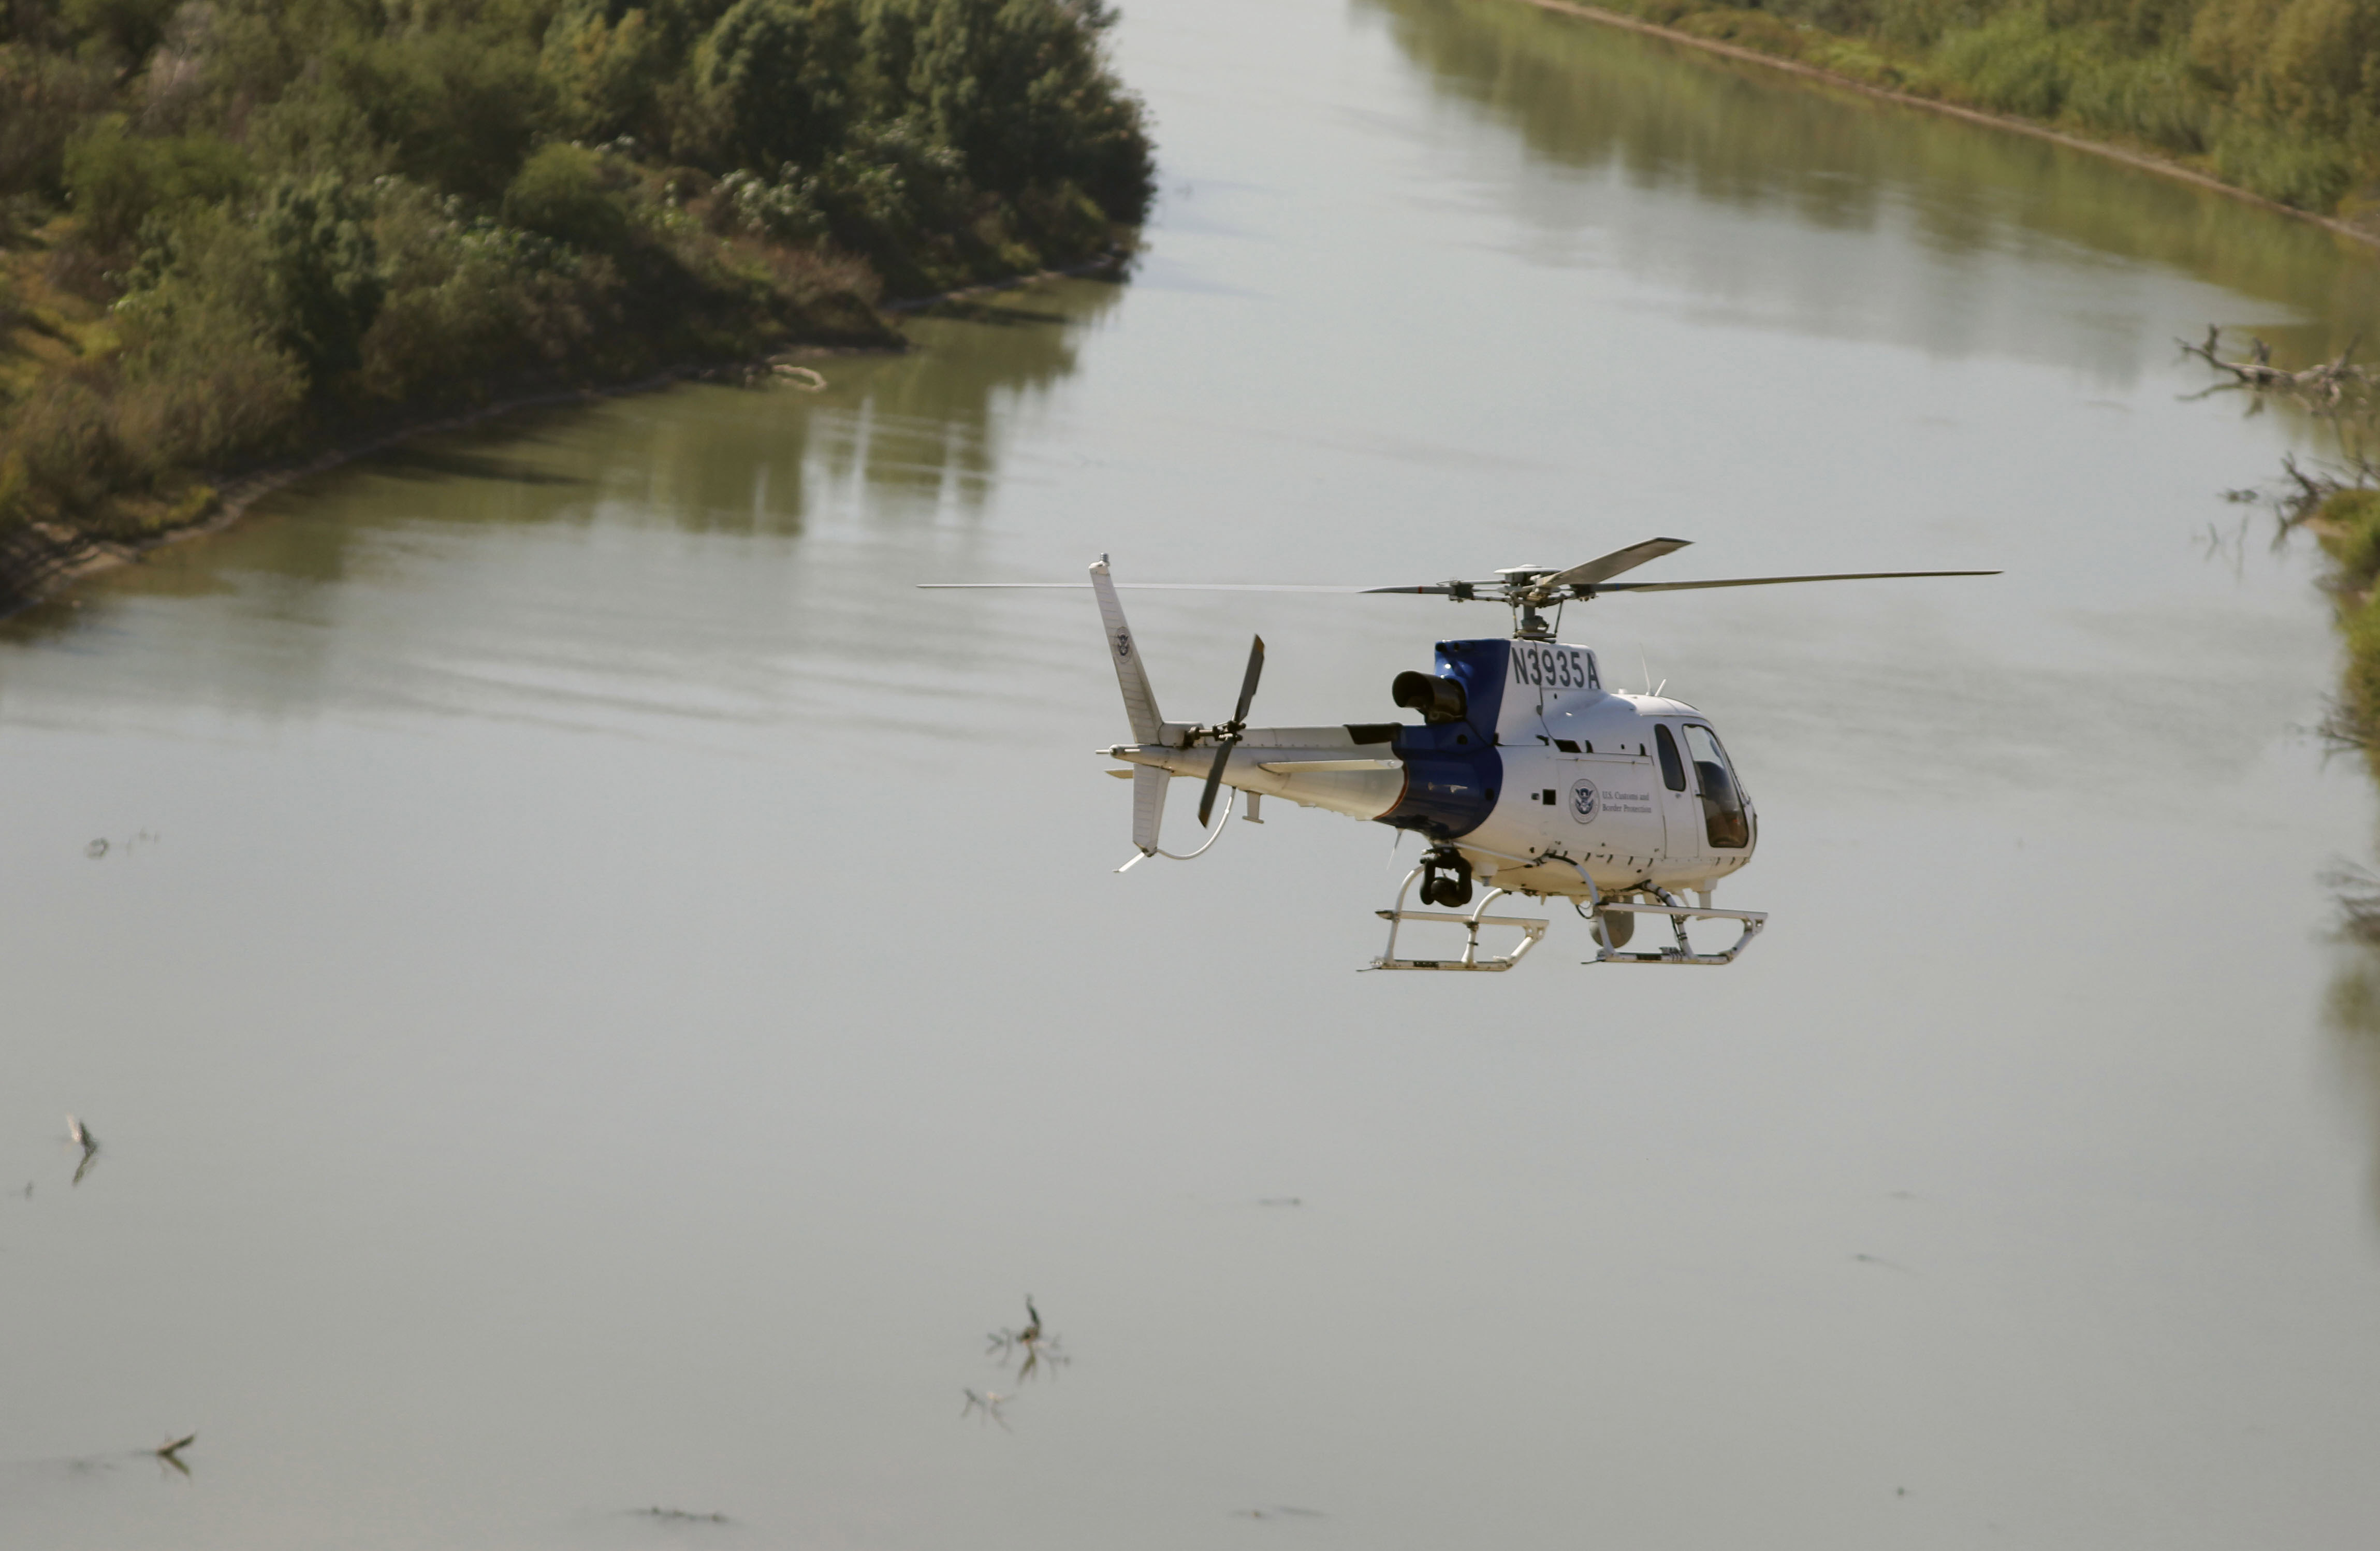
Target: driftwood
(2325, 384)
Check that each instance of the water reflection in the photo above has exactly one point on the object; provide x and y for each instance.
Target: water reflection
(1595, 99)
(917, 429)
(985, 1406)
(343, 566)
(921, 428)
(1032, 1349)
(168, 1456)
(2353, 1014)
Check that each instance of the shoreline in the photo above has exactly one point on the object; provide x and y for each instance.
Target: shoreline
(2143, 159)
(38, 561)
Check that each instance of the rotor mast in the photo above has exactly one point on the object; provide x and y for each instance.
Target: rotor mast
(1528, 623)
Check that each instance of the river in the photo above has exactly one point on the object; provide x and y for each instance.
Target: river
(597, 994)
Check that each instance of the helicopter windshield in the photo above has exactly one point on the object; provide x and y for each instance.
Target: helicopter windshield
(1724, 819)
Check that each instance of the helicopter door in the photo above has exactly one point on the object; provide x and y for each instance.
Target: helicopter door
(1615, 814)
(1676, 794)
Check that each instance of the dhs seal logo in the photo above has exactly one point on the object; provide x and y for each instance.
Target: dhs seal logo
(1583, 802)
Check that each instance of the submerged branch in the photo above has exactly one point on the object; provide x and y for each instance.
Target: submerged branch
(2323, 386)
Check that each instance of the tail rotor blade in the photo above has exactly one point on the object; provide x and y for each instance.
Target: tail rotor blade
(1215, 777)
(1232, 729)
(1248, 682)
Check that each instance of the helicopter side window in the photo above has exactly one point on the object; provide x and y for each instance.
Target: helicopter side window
(1673, 770)
(1723, 814)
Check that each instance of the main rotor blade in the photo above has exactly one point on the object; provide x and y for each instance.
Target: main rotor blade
(1248, 682)
(1215, 777)
(1604, 566)
(1468, 589)
(1175, 587)
(1769, 581)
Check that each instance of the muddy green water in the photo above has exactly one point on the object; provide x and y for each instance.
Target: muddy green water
(599, 995)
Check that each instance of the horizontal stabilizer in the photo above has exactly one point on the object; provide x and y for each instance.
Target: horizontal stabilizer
(1289, 767)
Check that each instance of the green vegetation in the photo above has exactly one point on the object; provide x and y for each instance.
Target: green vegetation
(228, 227)
(2338, 501)
(2279, 97)
(2345, 515)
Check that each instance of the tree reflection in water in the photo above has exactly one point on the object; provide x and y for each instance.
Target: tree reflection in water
(2353, 1010)
(921, 427)
(410, 577)
(1599, 100)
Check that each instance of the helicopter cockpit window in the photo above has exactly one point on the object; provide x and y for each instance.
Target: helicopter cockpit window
(1723, 815)
(1673, 773)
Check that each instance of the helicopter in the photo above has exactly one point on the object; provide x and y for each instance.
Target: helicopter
(1526, 775)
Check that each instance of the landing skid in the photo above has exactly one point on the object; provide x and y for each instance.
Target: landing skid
(1683, 953)
(1532, 931)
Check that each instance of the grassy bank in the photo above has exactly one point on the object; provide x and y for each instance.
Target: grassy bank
(2336, 499)
(2280, 97)
(2341, 508)
(232, 231)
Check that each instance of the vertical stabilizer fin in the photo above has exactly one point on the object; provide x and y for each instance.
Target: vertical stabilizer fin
(1139, 700)
(1148, 784)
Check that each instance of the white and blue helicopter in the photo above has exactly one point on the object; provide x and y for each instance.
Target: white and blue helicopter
(1525, 774)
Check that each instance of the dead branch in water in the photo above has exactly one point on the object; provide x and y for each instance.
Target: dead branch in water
(2318, 385)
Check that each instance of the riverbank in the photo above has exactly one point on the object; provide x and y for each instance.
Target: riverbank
(234, 236)
(38, 561)
(2341, 506)
(1914, 77)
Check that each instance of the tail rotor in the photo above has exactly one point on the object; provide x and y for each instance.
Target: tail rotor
(1231, 730)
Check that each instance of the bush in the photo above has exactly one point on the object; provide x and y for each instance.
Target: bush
(479, 305)
(1756, 30)
(568, 193)
(216, 389)
(125, 29)
(116, 180)
(2155, 97)
(43, 98)
(323, 270)
(459, 110)
(2309, 175)
(203, 376)
(2014, 63)
(784, 211)
(66, 438)
(606, 76)
(2349, 523)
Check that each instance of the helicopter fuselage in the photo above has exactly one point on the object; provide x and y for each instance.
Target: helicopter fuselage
(1525, 765)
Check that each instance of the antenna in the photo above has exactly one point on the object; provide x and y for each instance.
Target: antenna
(1648, 670)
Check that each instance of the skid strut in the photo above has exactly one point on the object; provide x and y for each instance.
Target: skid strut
(1532, 930)
(1683, 953)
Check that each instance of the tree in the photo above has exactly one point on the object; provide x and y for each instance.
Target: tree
(325, 283)
(774, 82)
